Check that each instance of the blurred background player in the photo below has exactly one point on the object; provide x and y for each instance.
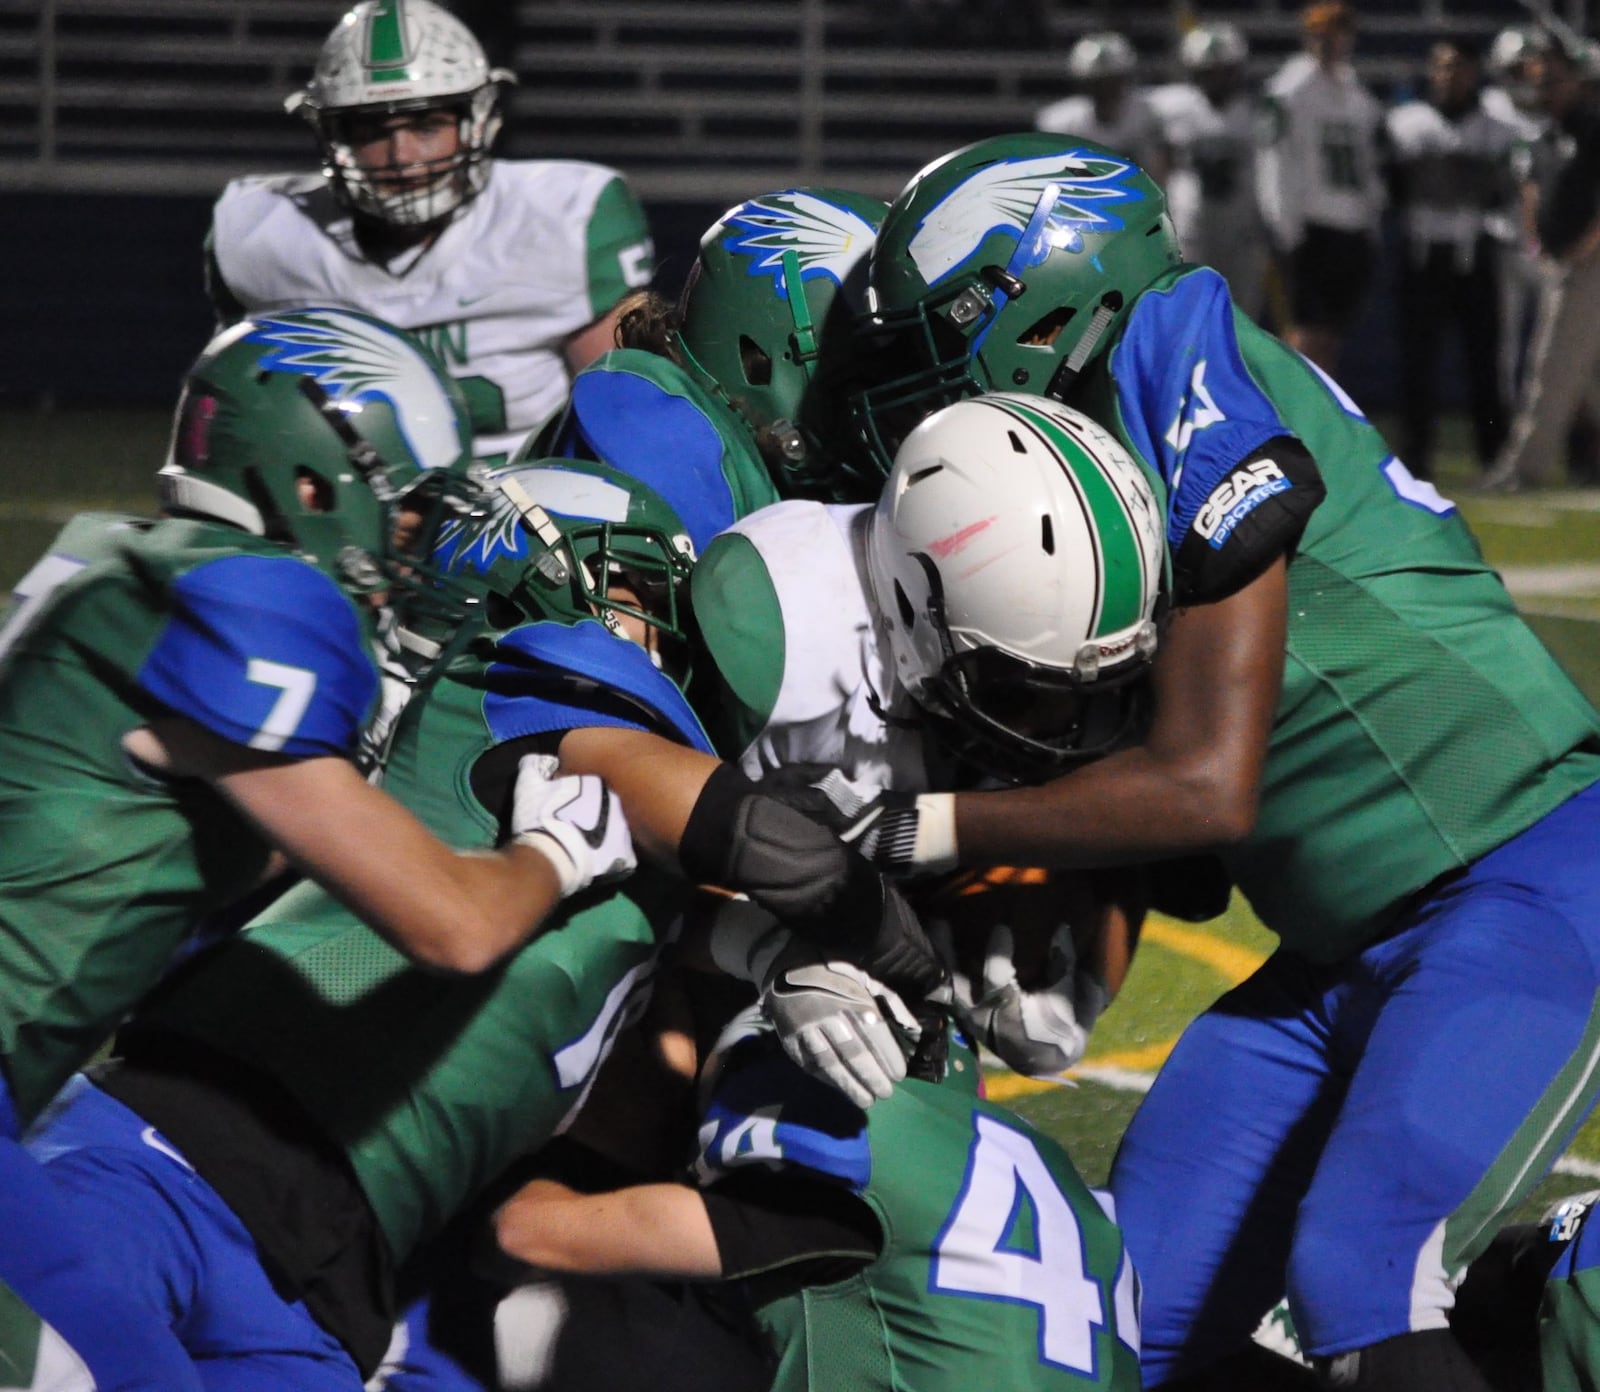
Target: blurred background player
(1450, 173)
(1321, 185)
(511, 270)
(1562, 202)
(1510, 98)
(1211, 120)
(1108, 107)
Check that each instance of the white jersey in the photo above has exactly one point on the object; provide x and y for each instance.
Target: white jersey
(1211, 191)
(793, 604)
(1322, 164)
(1136, 131)
(1456, 173)
(547, 248)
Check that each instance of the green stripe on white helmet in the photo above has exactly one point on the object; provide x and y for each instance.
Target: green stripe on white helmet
(1018, 564)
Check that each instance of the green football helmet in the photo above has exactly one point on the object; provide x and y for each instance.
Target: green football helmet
(1003, 267)
(766, 322)
(571, 539)
(329, 431)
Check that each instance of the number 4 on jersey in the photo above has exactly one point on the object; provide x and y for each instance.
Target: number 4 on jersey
(977, 1254)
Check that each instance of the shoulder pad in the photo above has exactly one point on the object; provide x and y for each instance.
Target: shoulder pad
(765, 1111)
(543, 677)
(644, 415)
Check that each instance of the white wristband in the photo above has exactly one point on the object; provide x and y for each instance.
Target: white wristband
(549, 846)
(935, 847)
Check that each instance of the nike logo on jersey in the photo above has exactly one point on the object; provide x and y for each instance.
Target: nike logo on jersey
(154, 1139)
(465, 300)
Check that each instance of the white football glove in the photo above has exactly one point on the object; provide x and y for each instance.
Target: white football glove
(574, 820)
(1042, 1032)
(899, 832)
(838, 1024)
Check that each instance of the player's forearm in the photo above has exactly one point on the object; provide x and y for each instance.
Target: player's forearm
(1193, 784)
(450, 910)
(659, 1230)
(657, 781)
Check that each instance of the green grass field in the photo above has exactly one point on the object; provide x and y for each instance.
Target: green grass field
(1547, 544)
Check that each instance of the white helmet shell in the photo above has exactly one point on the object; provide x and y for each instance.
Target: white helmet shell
(387, 56)
(1104, 54)
(1015, 523)
(1214, 45)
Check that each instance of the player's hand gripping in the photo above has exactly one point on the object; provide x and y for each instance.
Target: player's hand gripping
(1041, 1032)
(574, 820)
(838, 1023)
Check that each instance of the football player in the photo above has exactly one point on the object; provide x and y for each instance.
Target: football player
(1347, 710)
(180, 704)
(510, 270)
(747, 374)
(801, 609)
(934, 1241)
(301, 1104)
(1211, 120)
(1109, 108)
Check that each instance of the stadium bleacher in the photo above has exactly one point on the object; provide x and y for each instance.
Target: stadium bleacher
(707, 98)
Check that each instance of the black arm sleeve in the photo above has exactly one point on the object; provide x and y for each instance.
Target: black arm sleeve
(789, 1230)
(1212, 563)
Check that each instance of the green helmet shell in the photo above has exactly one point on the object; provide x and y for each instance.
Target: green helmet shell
(767, 319)
(560, 539)
(311, 428)
(1004, 267)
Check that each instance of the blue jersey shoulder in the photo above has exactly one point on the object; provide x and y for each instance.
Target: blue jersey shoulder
(1187, 402)
(267, 652)
(649, 425)
(765, 1111)
(545, 677)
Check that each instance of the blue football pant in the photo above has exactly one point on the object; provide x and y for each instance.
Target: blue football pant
(182, 1260)
(1352, 1134)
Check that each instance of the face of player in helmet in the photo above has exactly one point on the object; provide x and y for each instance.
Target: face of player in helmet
(565, 540)
(406, 152)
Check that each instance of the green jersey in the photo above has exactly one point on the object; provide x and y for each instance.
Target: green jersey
(104, 867)
(1421, 722)
(432, 1084)
(998, 1267)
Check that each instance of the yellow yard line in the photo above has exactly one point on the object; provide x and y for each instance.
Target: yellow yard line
(1230, 961)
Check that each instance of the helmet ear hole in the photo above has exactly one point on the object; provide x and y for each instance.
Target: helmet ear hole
(1047, 535)
(316, 494)
(1042, 333)
(755, 362)
(902, 601)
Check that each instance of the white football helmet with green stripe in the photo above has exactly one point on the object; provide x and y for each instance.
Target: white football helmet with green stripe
(1018, 562)
(388, 56)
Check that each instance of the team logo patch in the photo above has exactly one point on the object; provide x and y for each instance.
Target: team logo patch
(1049, 200)
(827, 240)
(356, 361)
(475, 544)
